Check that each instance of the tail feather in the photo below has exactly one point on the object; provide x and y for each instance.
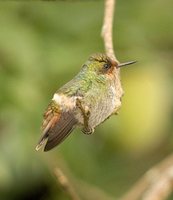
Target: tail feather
(57, 130)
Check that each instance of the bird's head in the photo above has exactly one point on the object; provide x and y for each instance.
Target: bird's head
(102, 64)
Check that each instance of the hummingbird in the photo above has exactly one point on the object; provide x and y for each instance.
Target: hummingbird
(90, 98)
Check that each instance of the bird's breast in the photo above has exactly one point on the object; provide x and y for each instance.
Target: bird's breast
(102, 109)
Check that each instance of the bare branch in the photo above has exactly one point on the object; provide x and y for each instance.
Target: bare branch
(156, 184)
(65, 184)
(135, 192)
(107, 28)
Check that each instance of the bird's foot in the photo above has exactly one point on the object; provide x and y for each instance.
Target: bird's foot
(88, 130)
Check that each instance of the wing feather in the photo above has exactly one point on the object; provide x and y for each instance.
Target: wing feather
(57, 125)
(61, 130)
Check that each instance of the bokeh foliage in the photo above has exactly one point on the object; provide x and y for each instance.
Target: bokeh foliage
(42, 46)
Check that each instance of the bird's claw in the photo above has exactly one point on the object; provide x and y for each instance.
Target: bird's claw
(88, 130)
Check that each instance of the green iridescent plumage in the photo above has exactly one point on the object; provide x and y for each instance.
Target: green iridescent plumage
(90, 72)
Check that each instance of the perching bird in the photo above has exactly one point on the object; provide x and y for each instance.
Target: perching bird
(87, 100)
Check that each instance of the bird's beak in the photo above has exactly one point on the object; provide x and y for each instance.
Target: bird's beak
(126, 63)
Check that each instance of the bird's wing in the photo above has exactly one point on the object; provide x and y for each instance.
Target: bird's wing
(57, 125)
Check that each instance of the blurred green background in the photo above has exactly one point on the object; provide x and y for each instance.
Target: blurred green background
(42, 46)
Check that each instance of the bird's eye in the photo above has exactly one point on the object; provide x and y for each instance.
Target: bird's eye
(106, 66)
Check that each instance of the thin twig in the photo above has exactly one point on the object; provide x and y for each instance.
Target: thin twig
(156, 184)
(65, 184)
(162, 188)
(135, 192)
(108, 41)
(107, 28)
